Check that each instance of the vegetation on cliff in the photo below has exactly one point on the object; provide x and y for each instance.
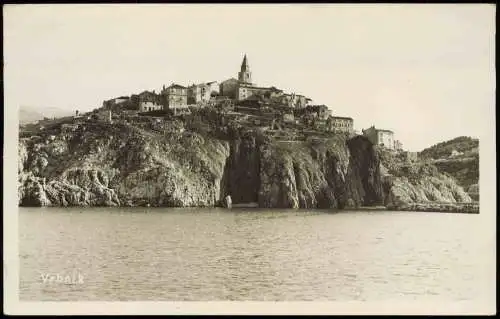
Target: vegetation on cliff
(465, 145)
(459, 158)
(409, 182)
(120, 164)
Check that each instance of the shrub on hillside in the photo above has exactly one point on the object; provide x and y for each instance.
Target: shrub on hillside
(462, 144)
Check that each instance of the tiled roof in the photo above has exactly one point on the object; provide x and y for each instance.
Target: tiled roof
(176, 86)
(230, 79)
(146, 93)
(260, 87)
(379, 130)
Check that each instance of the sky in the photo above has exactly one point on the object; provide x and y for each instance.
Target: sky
(424, 71)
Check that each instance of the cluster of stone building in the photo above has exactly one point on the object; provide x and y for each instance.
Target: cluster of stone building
(383, 138)
(242, 90)
(239, 90)
(179, 96)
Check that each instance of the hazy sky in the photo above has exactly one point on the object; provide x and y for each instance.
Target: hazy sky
(424, 71)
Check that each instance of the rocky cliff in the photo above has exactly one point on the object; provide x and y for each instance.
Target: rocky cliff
(101, 164)
(112, 165)
(329, 173)
(459, 158)
(416, 182)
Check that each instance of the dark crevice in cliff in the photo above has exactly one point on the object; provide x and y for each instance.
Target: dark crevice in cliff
(334, 179)
(364, 163)
(241, 177)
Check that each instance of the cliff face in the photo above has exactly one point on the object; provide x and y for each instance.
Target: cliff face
(123, 165)
(407, 182)
(120, 165)
(113, 165)
(428, 189)
(333, 173)
(458, 158)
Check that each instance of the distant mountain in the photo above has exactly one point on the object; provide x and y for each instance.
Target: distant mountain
(459, 158)
(31, 114)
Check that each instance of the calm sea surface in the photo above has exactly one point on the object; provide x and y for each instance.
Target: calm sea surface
(141, 254)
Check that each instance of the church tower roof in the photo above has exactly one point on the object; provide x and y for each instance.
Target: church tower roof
(245, 76)
(244, 64)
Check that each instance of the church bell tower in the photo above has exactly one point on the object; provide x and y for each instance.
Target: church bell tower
(245, 76)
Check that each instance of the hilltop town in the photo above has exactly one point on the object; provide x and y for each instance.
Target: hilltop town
(283, 116)
(202, 144)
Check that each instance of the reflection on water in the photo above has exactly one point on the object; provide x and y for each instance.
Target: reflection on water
(249, 254)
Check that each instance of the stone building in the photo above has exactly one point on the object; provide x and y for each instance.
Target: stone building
(323, 112)
(287, 99)
(68, 128)
(243, 88)
(247, 91)
(116, 101)
(134, 101)
(175, 96)
(229, 88)
(294, 100)
(197, 93)
(380, 137)
(291, 99)
(149, 101)
(213, 87)
(340, 124)
(301, 101)
(237, 88)
(398, 146)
